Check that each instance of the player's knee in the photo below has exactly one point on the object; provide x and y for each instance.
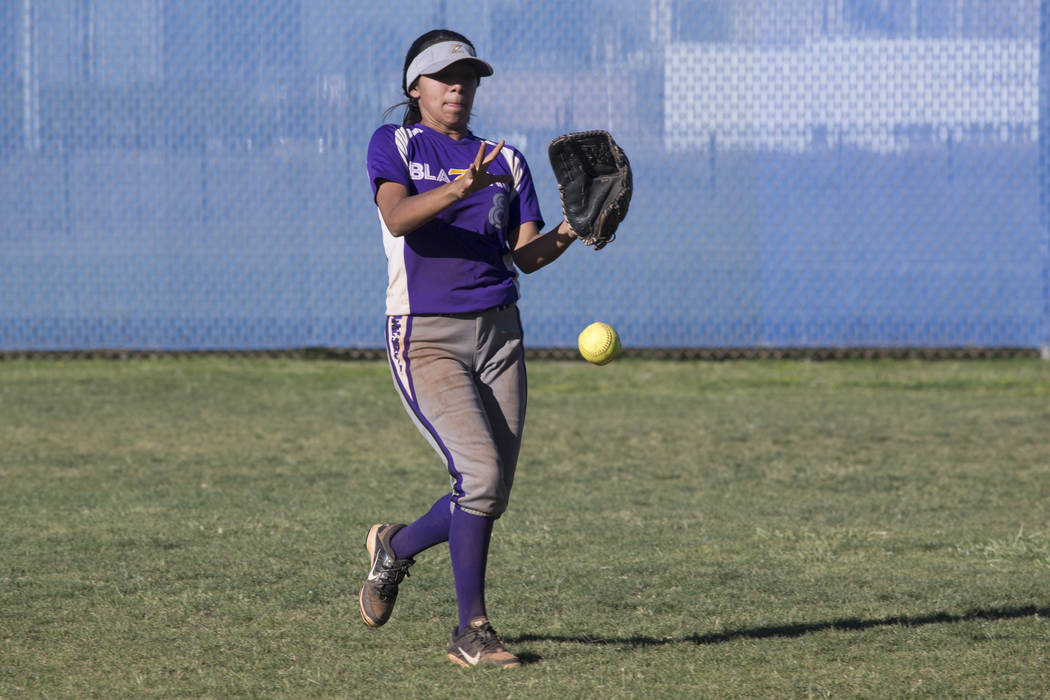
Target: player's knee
(488, 513)
(489, 502)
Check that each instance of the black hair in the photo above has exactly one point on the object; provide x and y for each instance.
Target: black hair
(434, 36)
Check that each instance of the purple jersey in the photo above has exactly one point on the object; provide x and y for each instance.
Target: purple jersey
(459, 262)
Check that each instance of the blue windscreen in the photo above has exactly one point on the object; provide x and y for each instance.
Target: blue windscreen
(190, 174)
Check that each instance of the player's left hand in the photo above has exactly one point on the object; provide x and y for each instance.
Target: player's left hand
(595, 182)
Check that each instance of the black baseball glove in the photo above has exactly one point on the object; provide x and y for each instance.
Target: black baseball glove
(594, 178)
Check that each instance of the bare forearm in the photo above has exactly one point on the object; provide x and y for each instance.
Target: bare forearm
(412, 212)
(545, 249)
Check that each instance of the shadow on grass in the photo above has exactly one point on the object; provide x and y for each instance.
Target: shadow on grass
(794, 630)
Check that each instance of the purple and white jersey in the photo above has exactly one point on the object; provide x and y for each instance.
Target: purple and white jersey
(459, 262)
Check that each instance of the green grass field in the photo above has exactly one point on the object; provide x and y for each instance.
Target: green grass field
(194, 526)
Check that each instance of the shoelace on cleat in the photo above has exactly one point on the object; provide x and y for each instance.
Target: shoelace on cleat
(487, 638)
(389, 578)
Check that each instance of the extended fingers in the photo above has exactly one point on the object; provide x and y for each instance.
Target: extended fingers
(494, 152)
(480, 175)
(482, 161)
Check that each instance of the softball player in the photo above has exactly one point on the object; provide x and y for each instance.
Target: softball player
(459, 217)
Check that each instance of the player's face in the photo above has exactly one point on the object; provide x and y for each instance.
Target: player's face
(445, 98)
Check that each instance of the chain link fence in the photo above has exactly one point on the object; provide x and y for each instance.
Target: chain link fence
(180, 175)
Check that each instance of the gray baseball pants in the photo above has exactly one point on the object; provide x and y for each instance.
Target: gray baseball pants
(461, 377)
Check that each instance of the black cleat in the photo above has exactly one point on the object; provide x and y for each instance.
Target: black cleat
(380, 590)
(479, 645)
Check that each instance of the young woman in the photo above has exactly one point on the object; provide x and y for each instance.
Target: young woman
(459, 216)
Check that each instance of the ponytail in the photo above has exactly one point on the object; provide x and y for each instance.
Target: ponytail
(412, 113)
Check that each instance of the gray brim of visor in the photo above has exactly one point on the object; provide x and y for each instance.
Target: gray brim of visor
(436, 58)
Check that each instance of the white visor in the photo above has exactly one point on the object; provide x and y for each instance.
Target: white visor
(434, 59)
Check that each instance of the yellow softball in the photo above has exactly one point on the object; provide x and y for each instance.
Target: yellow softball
(599, 343)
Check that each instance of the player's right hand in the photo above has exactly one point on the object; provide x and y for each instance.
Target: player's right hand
(477, 176)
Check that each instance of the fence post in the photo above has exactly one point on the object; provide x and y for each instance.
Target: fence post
(30, 77)
(1044, 166)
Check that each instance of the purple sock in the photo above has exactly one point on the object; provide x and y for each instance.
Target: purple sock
(430, 529)
(468, 546)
